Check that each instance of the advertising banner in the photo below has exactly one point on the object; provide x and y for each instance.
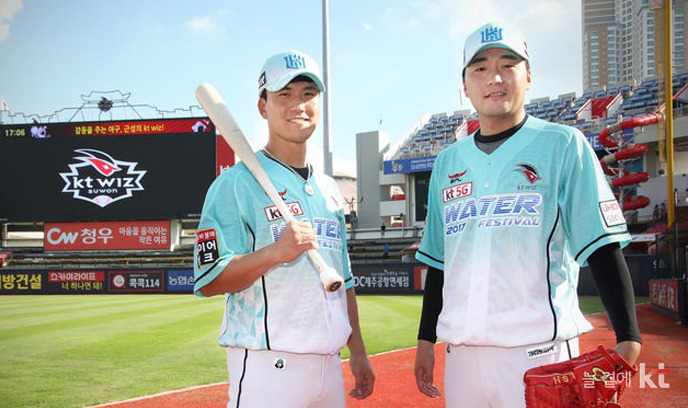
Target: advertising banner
(384, 278)
(106, 128)
(419, 275)
(225, 155)
(180, 280)
(122, 235)
(89, 281)
(411, 165)
(21, 283)
(76, 282)
(664, 293)
(136, 281)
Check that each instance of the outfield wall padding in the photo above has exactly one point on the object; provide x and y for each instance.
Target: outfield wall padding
(393, 278)
(95, 281)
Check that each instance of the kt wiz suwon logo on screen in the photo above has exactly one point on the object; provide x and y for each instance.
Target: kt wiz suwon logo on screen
(99, 178)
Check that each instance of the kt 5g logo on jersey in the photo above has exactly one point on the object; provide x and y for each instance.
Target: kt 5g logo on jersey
(455, 192)
(100, 179)
(273, 214)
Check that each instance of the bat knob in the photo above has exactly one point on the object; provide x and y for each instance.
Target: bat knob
(331, 280)
(334, 286)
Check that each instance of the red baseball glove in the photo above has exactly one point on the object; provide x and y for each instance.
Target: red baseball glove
(590, 380)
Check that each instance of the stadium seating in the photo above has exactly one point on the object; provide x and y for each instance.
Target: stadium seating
(23, 258)
(439, 131)
(364, 251)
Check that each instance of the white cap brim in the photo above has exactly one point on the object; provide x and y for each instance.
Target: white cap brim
(280, 83)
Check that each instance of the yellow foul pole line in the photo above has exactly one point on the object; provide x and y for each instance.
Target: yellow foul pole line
(669, 112)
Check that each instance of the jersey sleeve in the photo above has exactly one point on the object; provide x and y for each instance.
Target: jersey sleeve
(591, 215)
(222, 232)
(431, 250)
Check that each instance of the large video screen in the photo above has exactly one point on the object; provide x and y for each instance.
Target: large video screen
(103, 177)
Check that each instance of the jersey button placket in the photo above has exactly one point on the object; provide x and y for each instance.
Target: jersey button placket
(310, 200)
(489, 171)
(480, 271)
(482, 279)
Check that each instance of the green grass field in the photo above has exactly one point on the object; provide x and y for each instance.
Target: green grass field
(74, 351)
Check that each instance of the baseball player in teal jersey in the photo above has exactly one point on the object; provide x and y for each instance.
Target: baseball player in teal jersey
(282, 330)
(514, 210)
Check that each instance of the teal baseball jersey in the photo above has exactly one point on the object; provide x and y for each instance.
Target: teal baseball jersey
(287, 309)
(511, 229)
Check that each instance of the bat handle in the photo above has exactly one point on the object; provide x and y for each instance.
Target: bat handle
(330, 279)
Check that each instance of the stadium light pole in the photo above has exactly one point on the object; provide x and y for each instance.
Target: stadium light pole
(327, 125)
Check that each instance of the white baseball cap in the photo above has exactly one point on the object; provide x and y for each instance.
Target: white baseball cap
(279, 69)
(495, 35)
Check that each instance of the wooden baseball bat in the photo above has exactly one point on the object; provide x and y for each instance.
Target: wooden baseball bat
(217, 110)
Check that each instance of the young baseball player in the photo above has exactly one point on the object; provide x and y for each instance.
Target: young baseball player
(282, 330)
(513, 211)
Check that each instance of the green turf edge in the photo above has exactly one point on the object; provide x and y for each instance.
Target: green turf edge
(75, 351)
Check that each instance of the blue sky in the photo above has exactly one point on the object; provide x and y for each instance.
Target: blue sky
(391, 60)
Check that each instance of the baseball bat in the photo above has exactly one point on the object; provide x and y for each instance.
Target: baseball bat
(217, 110)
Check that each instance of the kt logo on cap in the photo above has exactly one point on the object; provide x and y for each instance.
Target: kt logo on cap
(491, 34)
(295, 61)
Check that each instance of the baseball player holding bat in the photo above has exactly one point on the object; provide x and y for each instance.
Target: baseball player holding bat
(282, 329)
(513, 211)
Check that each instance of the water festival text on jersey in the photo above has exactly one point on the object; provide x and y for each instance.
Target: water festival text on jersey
(503, 210)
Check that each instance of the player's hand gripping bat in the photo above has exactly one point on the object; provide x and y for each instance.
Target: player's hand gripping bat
(215, 107)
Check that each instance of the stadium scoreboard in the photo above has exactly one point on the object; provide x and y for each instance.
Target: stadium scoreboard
(104, 171)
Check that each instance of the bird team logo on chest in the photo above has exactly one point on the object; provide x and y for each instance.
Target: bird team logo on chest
(529, 171)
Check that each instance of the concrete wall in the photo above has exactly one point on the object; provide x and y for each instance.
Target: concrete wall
(370, 147)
